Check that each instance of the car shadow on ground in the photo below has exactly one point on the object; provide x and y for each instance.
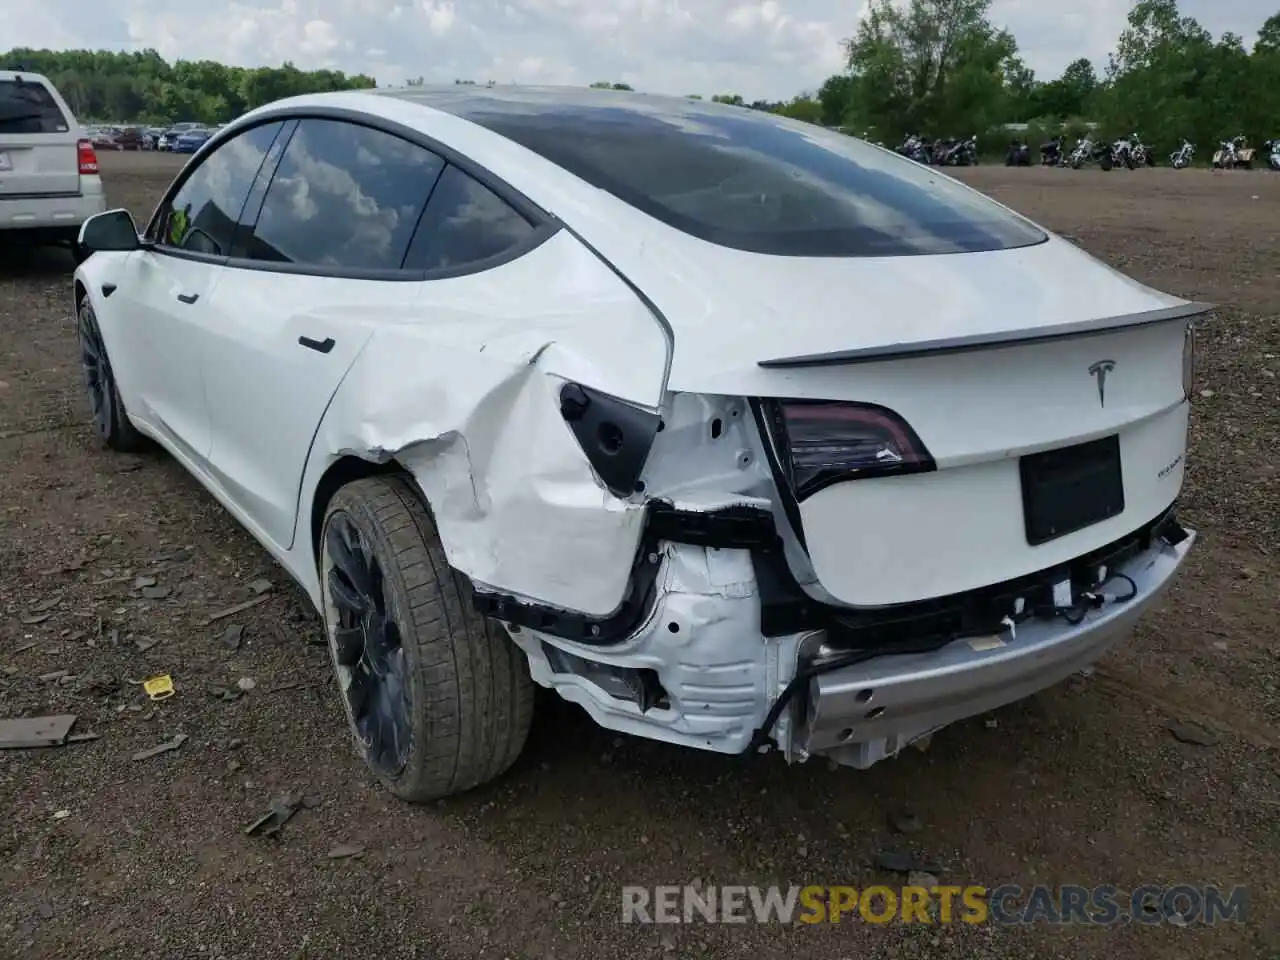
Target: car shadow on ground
(19, 260)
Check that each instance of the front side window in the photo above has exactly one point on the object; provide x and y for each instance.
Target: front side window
(464, 223)
(201, 216)
(344, 197)
(28, 107)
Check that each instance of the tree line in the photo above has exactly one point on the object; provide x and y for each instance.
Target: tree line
(104, 86)
(935, 67)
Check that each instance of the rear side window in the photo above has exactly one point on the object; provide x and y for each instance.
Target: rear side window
(29, 107)
(464, 223)
(754, 182)
(201, 216)
(344, 197)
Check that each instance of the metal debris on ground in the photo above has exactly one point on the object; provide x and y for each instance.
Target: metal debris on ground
(237, 608)
(233, 635)
(347, 851)
(24, 732)
(282, 809)
(905, 863)
(905, 821)
(1193, 733)
(166, 747)
(228, 694)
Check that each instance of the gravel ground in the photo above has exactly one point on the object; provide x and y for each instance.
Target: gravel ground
(105, 856)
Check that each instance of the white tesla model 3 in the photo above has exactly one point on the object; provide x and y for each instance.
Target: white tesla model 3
(736, 431)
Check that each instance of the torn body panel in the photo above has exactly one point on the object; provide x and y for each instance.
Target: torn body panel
(466, 398)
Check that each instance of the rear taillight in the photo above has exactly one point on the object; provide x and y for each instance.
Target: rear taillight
(88, 157)
(820, 443)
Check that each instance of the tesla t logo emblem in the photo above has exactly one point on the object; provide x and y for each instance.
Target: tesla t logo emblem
(1099, 372)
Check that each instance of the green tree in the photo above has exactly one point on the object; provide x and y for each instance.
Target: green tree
(932, 65)
(143, 88)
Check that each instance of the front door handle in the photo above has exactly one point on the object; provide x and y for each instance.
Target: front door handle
(320, 346)
(188, 297)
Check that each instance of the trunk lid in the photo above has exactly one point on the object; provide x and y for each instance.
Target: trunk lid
(38, 155)
(1023, 389)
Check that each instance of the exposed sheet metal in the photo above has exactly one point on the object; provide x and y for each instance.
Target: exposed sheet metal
(1009, 338)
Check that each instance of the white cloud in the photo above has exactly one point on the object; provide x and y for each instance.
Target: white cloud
(757, 48)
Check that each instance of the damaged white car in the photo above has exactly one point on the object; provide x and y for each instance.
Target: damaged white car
(737, 432)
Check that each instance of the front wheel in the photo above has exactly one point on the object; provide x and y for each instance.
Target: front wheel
(1104, 162)
(438, 698)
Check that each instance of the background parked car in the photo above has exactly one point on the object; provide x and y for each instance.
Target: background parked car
(192, 140)
(170, 136)
(49, 181)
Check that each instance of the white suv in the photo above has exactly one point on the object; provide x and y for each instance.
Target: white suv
(49, 181)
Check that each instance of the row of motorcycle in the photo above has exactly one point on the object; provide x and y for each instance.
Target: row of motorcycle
(1131, 152)
(943, 152)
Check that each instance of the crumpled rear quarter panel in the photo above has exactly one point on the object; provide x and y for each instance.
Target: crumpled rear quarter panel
(465, 397)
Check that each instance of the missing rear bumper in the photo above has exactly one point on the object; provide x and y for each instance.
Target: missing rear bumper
(862, 713)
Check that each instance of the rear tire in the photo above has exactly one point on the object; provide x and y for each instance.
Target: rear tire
(110, 419)
(438, 698)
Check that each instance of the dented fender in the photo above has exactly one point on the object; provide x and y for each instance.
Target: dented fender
(466, 400)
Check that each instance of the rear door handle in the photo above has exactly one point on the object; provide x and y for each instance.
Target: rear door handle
(188, 297)
(320, 346)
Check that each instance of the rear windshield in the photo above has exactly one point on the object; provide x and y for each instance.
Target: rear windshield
(753, 182)
(28, 107)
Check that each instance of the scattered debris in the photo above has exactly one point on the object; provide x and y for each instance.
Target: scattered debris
(992, 723)
(82, 737)
(905, 863)
(312, 802)
(45, 605)
(31, 620)
(347, 851)
(246, 683)
(1194, 733)
(233, 610)
(26, 732)
(905, 822)
(62, 814)
(289, 685)
(282, 809)
(232, 636)
(156, 593)
(55, 675)
(141, 582)
(27, 646)
(227, 694)
(259, 587)
(158, 688)
(167, 747)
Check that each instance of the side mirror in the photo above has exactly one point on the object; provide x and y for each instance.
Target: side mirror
(110, 231)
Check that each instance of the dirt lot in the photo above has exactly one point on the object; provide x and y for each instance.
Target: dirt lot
(104, 856)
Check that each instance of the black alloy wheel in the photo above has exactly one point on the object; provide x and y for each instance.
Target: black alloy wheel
(367, 649)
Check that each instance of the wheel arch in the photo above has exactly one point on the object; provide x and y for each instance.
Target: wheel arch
(347, 469)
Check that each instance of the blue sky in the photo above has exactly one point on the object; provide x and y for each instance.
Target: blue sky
(758, 48)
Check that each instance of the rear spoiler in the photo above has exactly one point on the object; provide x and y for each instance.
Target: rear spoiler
(983, 341)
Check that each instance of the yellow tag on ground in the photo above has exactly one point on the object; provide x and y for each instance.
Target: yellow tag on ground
(158, 688)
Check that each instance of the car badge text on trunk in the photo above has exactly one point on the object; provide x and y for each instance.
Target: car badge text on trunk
(1099, 372)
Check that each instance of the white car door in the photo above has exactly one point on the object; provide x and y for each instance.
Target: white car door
(162, 304)
(320, 270)
(158, 308)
